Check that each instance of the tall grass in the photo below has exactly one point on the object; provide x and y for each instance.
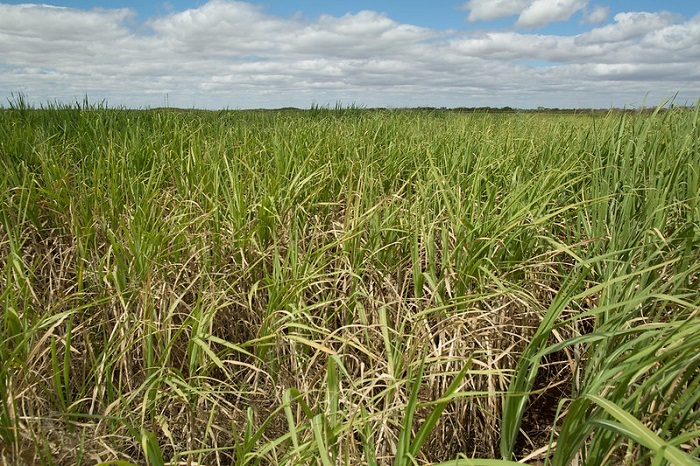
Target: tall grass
(348, 286)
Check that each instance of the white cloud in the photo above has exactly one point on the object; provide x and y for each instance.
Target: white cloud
(480, 10)
(364, 34)
(221, 27)
(543, 12)
(628, 26)
(62, 24)
(532, 13)
(681, 38)
(597, 15)
(234, 54)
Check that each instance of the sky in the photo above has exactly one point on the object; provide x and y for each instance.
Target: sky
(221, 54)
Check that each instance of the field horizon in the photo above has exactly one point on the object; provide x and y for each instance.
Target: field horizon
(19, 100)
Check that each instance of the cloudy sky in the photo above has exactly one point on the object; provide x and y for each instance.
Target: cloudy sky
(382, 53)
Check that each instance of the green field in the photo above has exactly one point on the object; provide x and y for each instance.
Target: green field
(348, 287)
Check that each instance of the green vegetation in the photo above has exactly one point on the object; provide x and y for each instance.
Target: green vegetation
(345, 286)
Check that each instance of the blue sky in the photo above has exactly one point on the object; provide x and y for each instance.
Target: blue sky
(386, 53)
(439, 14)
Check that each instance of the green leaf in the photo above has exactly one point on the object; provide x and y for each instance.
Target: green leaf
(149, 443)
(631, 427)
(317, 424)
(404, 443)
(435, 414)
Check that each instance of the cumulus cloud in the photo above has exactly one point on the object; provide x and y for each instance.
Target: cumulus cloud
(628, 26)
(531, 13)
(222, 27)
(62, 24)
(360, 35)
(543, 12)
(480, 10)
(682, 39)
(234, 54)
(596, 15)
